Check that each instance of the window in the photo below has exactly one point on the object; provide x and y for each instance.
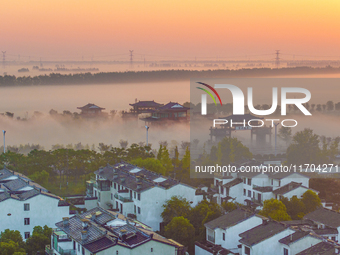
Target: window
(244, 180)
(27, 221)
(135, 195)
(139, 196)
(151, 249)
(223, 236)
(259, 197)
(247, 250)
(249, 181)
(82, 250)
(253, 194)
(116, 252)
(272, 180)
(115, 185)
(121, 208)
(95, 193)
(26, 207)
(249, 193)
(135, 208)
(244, 192)
(285, 251)
(333, 238)
(111, 196)
(99, 196)
(74, 245)
(138, 210)
(27, 235)
(130, 193)
(279, 183)
(78, 247)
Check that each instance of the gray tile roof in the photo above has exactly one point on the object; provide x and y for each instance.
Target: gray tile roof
(323, 248)
(261, 233)
(230, 219)
(28, 194)
(15, 184)
(325, 216)
(4, 173)
(75, 227)
(4, 196)
(286, 188)
(233, 183)
(103, 218)
(100, 244)
(294, 237)
(120, 173)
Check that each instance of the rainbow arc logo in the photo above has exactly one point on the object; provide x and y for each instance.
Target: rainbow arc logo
(209, 93)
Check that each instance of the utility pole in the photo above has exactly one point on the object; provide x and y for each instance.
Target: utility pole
(131, 58)
(277, 59)
(4, 59)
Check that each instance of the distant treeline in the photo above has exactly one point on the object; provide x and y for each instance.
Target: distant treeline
(155, 76)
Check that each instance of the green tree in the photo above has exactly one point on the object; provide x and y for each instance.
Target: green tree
(38, 240)
(175, 207)
(305, 149)
(311, 201)
(10, 248)
(285, 133)
(202, 213)
(12, 235)
(181, 230)
(151, 164)
(295, 207)
(274, 209)
(229, 206)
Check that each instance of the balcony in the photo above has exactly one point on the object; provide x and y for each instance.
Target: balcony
(67, 252)
(48, 250)
(102, 185)
(123, 199)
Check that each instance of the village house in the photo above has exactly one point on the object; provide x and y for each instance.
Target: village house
(25, 204)
(253, 188)
(137, 192)
(103, 232)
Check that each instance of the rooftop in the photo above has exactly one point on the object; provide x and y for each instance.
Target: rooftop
(90, 106)
(261, 232)
(173, 106)
(147, 104)
(292, 238)
(323, 248)
(288, 187)
(101, 230)
(135, 178)
(230, 219)
(325, 216)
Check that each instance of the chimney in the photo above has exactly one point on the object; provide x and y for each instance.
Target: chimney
(65, 221)
(84, 223)
(83, 235)
(138, 179)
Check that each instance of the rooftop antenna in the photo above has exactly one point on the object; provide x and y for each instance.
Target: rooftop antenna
(277, 59)
(3, 59)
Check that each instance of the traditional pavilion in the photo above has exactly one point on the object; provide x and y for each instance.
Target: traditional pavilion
(91, 110)
(144, 107)
(169, 112)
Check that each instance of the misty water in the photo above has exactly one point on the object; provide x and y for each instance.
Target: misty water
(46, 131)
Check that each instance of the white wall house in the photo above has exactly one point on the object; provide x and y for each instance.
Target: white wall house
(252, 188)
(135, 191)
(224, 231)
(327, 222)
(102, 232)
(24, 204)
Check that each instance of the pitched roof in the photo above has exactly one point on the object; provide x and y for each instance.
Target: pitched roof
(261, 233)
(323, 248)
(263, 189)
(147, 104)
(173, 106)
(233, 183)
(90, 106)
(325, 216)
(100, 244)
(15, 184)
(135, 178)
(292, 238)
(230, 219)
(288, 187)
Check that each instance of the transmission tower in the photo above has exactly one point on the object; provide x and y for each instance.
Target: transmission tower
(3, 59)
(277, 59)
(131, 58)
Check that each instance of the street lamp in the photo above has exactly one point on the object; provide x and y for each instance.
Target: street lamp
(4, 131)
(147, 133)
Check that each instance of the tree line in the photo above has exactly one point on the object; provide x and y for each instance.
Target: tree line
(153, 76)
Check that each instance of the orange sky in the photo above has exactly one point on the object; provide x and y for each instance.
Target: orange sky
(183, 28)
